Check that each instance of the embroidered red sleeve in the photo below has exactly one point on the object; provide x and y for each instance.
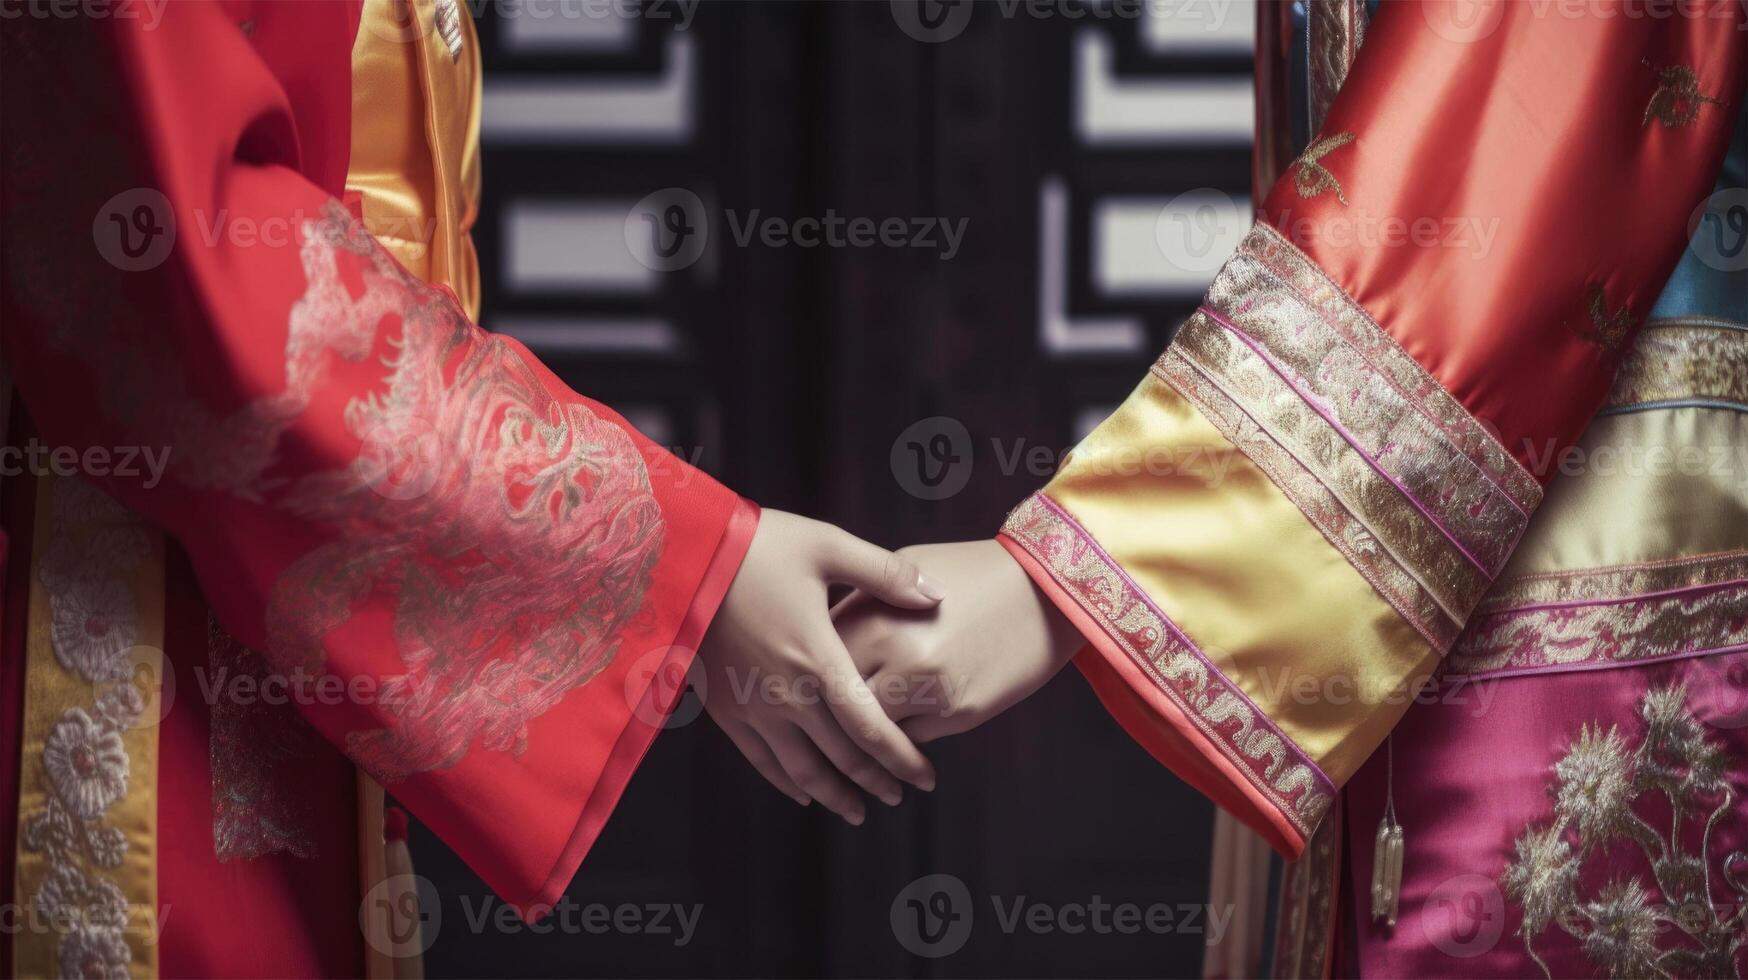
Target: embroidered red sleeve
(504, 578)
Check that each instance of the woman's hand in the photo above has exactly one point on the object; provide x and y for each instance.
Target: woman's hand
(946, 670)
(779, 681)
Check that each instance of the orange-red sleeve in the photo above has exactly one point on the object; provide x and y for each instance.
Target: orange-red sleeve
(501, 576)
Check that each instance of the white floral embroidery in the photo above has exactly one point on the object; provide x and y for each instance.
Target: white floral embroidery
(86, 763)
(94, 627)
(85, 770)
(97, 954)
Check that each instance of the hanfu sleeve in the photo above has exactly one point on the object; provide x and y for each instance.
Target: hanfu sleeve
(494, 582)
(1271, 544)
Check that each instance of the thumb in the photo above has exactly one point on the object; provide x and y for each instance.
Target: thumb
(885, 575)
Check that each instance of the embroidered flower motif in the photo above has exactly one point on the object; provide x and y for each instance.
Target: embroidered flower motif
(1625, 933)
(120, 707)
(1607, 328)
(93, 628)
(1696, 921)
(1595, 786)
(86, 763)
(1544, 878)
(74, 900)
(94, 954)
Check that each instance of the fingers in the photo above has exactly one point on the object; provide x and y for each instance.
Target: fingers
(883, 574)
(863, 719)
(925, 728)
(851, 760)
(814, 774)
(752, 746)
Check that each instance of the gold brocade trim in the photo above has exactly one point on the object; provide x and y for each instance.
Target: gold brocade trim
(88, 808)
(1686, 359)
(1609, 617)
(1244, 734)
(1341, 526)
(1306, 910)
(1610, 789)
(1411, 488)
(1337, 29)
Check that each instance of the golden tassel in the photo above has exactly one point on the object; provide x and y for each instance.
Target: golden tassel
(1387, 850)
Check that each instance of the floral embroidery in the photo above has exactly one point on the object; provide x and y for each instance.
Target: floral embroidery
(84, 761)
(1270, 759)
(1310, 176)
(1337, 29)
(1678, 99)
(1598, 784)
(549, 503)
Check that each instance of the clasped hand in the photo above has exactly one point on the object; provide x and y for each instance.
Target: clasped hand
(935, 640)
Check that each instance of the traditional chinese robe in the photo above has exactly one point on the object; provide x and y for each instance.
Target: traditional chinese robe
(1393, 412)
(237, 233)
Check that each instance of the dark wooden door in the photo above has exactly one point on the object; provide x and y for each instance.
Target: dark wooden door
(1058, 138)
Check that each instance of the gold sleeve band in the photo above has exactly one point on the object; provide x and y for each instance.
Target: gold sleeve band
(1284, 527)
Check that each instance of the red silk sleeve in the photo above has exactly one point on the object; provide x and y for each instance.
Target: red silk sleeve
(1271, 545)
(483, 586)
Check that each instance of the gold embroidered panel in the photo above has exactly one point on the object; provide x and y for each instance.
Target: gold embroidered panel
(86, 876)
(1686, 360)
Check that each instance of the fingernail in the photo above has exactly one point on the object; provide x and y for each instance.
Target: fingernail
(892, 798)
(928, 588)
(856, 818)
(804, 801)
(926, 784)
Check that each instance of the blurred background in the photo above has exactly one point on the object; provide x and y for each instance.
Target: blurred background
(1031, 180)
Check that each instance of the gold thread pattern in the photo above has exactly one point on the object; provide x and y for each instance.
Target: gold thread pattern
(1684, 359)
(1697, 920)
(1337, 28)
(1310, 176)
(1610, 616)
(1309, 886)
(1246, 736)
(1605, 326)
(1678, 99)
